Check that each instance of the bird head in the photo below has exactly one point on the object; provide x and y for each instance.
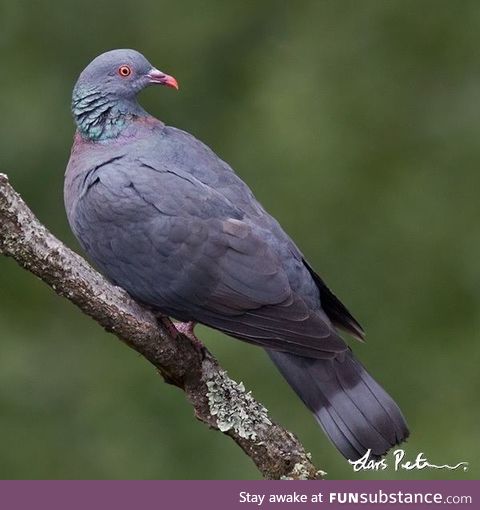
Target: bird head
(122, 74)
(106, 90)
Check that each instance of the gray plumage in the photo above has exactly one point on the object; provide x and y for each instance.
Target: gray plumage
(163, 217)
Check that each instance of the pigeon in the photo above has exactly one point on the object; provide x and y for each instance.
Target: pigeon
(163, 217)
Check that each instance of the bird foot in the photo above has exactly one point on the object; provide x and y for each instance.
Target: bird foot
(187, 329)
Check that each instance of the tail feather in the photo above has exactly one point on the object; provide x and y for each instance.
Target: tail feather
(355, 412)
(385, 400)
(337, 431)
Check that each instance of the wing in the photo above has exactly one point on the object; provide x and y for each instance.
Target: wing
(182, 247)
(181, 148)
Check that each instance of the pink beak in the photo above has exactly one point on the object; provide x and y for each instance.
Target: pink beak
(156, 76)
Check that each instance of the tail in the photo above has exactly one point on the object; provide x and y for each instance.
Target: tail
(355, 412)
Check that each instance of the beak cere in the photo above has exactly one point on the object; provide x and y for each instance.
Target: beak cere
(156, 76)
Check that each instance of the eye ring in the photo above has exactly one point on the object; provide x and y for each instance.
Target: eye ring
(124, 71)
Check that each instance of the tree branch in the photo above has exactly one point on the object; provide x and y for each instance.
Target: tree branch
(218, 401)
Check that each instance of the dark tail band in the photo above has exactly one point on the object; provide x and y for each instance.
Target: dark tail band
(355, 412)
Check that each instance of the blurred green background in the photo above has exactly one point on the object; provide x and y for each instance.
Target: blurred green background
(357, 124)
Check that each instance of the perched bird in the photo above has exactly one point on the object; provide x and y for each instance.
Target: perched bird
(166, 219)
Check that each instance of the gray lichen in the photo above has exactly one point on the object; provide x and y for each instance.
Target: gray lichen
(301, 472)
(233, 407)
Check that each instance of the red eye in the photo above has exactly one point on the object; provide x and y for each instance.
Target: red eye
(124, 71)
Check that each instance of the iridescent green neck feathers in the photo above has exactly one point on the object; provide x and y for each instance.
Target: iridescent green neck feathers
(101, 116)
